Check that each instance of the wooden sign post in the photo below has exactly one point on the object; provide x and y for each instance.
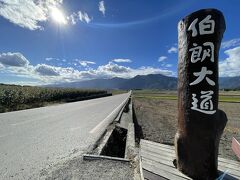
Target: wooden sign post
(200, 123)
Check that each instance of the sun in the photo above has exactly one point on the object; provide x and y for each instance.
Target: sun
(58, 16)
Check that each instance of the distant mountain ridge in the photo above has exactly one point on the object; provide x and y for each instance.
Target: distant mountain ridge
(151, 81)
(229, 82)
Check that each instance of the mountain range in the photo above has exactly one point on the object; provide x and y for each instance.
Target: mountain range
(151, 81)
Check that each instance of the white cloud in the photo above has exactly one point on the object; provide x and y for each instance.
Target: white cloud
(1, 66)
(13, 59)
(231, 43)
(52, 59)
(45, 74)
(84, 63)
(27, 13)
(83, 16)
(168, 65)
(231, 65)
(46, 70)
(101, 7)
(73, 18)
(49, 59)
(173, 50)
(79, 16)
(122, 60)
(114, 70)
(162, 58)
(165, 65)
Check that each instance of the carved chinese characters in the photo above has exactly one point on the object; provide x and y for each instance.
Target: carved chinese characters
(200, 122)
(199, 53)
(206, 105)
(206, 26)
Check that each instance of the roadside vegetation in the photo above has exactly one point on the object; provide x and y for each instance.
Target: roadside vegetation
(156, 113)
(116, 92)
(15, 97)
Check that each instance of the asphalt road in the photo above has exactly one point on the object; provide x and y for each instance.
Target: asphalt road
(38, 139)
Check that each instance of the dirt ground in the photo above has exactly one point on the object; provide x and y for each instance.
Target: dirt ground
(158, 119)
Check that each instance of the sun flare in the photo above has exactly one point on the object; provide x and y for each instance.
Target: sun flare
(58, 16)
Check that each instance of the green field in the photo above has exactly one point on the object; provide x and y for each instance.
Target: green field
(13, 97)
(116, 92)
(233, 96)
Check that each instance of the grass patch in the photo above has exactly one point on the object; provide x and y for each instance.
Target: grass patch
(172, 95)
(116, 92)
(234, 99)
(157, 97)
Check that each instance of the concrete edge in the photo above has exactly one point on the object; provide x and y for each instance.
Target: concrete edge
(130, 142)
(104, 140)
(131, 151)
(99, 157)
(140, 167)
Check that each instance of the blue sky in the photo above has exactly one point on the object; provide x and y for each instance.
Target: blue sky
(52, 41)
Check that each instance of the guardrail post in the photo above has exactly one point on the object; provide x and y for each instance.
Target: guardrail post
(200, 123)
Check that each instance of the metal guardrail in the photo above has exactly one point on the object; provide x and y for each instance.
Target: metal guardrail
(101, 127)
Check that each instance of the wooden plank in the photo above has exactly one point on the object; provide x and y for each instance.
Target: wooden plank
(236, 147)
(157, 147)
(143, 141)
(231, 175)
(226, 176)
(165, 175)
(229, 166)
(159, 151)
(228, 161)
(152, 176)
(162, 159)
(166, 167)
(160, 146)
(159, 156)
(231, 171)
(163, 170)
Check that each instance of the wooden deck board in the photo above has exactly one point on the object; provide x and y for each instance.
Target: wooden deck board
(158, 169)
(162, 159)
(152, 176)
(158, 159)
(157, 144)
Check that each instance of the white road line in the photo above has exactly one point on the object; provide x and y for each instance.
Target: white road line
(4, 135)
(75, 128)
(21, 123)
(96, 128)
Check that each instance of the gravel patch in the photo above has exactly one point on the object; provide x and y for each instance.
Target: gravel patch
(102, 169)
